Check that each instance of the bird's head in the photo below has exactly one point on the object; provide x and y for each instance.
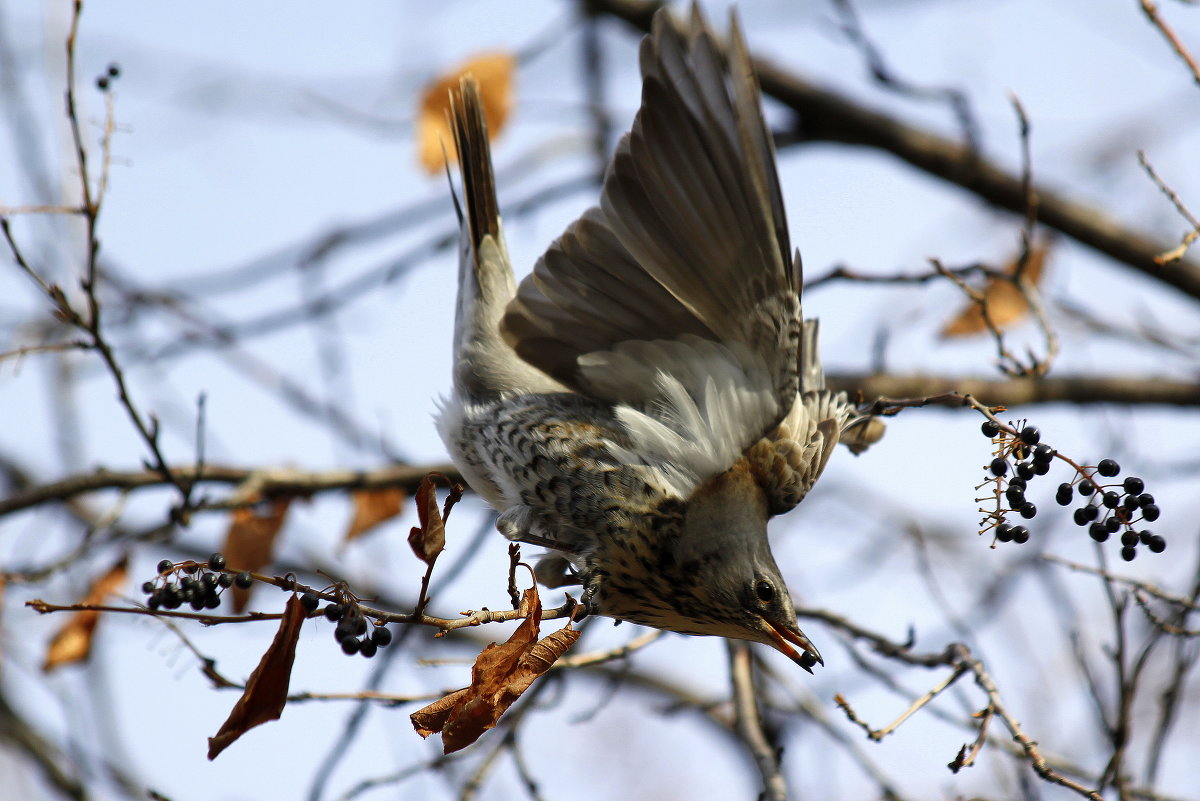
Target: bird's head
(711, 572)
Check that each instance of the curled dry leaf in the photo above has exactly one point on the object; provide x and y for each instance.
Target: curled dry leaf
(1005, 303)
(73, 642)
(372, 507)
(494, 74)
(500, 675)
(267, 689)
(428, 539)
(250, 540)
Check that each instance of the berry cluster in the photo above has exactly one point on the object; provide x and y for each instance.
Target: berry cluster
(198, 585)
(352, 627)
(113, 72)
(1107, 508)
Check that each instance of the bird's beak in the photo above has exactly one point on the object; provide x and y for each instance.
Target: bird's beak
(783, 637)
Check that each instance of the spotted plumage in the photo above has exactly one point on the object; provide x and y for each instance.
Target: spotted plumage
(650, 395)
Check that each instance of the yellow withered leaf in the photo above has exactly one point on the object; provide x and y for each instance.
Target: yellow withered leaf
(1005, 303)
(250, 540)
(494, 74)
(372, 507)
(73, 642)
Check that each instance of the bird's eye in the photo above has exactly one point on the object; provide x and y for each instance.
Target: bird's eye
(764, 591)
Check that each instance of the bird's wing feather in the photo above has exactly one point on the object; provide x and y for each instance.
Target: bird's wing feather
(684, 270)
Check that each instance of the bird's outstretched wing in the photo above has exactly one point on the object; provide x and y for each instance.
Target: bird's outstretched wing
(678, 298)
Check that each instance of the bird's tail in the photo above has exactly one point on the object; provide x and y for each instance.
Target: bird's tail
(484, 365)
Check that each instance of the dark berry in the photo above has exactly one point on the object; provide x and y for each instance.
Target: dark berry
(209, 580)
(1028, 510)
(350, 645)
(1044, 453)
(1020, 451)
(381, 636)
(1025, 470)
(1041, 468)
(196, 602)
(1098, 532)
(102, 83)
(216, 562)
(1113, 525)
(1092, 512)
(1128, 554)
(333, 612)
(1030, 435)
(225, 580)
(360, 627)
(1157, 544)
(1081, 516)
(989, 428)
(148, 587)
(1015, 497)
(212, 601)
(1064, 495)
(1111, 499)
(1131, 502)
(187, 582)
(165, 566)
(367, 648)
(1086, 488)
(1020, 535)
(1134, 485)
(998, 466)
(1150, 512)
(1004, 532)
(114, 70)
(1129, 539)
(1018, 482)
(171, 598)
(1144, 537)
(1108, 468)
(310, 602)
(1145, 499)
(243, 580)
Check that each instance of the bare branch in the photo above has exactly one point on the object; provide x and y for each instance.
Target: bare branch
(1150, 9)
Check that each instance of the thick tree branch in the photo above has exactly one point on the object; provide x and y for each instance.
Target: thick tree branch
(252, 483)
(1132, 390)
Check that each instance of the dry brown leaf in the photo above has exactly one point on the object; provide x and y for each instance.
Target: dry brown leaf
(428, 539)
(372, 507)
(1006, 305)
(73, 642)
(267, 689)
(250, 540)
(500, 675)
(494, 74)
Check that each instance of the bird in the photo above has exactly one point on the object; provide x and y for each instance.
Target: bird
(649, 396)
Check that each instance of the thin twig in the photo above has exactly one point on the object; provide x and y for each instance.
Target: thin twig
(879, 734)
(1189, 238)
(1150, 9)
(748, 722)
(1143, 586)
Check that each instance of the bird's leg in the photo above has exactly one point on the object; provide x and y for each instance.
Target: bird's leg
(589, 600)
